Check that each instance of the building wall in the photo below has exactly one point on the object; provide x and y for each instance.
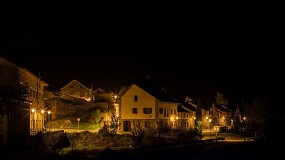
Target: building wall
(8, 75)
(78, 90)
(145, 100)
(103, 97)
(163, 113)
(36, 89)
(3, 130)
(15, 124)
(9, 80)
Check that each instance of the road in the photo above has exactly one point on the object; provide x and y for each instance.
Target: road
(233, 148)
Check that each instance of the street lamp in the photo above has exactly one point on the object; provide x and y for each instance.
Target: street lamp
(33, 118)
(78, 119)
(210, 126)
(43, 119)
(48, 118)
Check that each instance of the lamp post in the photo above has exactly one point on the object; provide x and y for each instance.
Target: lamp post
(33, 118)
(43, 119)
(49, 112)
(210, 126)
(78, 119)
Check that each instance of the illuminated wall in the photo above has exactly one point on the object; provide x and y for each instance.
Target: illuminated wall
(78, 90)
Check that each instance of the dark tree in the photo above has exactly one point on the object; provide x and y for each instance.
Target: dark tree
(198, 120)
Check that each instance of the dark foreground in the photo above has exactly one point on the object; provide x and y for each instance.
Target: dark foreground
(260, 150)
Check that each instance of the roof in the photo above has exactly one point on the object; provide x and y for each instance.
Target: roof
(160, 93)
(185, 107)
(29, 72)
(223, 108)
(76, 82)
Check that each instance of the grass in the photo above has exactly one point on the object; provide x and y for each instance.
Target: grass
(85, 126)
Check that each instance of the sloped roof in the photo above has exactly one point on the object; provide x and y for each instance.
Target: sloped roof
(180, 108)
(223, 108)
(75, 82)
(160, 93)
(185, 107)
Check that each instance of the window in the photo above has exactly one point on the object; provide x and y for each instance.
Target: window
(160, 110)
(174, 111)
(135, 110)
(30, 93)
(147, 110)
(127, 126)
(211, 112)
(164, 111)
(170, 111)
(81, 94)
(135, 98)
(146, 124)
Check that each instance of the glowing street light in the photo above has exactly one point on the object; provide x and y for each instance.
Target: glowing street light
(210, 126)
(33, 119)
(78, 119)
(48, 118)
(43, 118)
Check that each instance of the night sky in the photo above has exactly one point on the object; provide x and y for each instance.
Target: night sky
(229, 54)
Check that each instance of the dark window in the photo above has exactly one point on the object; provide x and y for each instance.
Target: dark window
(146, 124)
(160, 110)
(170, 111)
(127, 126)
(147, 110)
(135, 98)
(135, 110)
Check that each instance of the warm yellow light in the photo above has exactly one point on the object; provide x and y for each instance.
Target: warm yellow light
(210, 120)
(49, 112)
(171, 118)
(116, 96)
(244, 118)
(43, 111)
(176, 117)
(223, 117)
(117, 115)
(194, 117)
(33, 110)
(206, 117)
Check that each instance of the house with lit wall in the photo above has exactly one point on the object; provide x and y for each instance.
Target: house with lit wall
(148, 106)
(217, 116)
(38, 111)
(78, 90)
(25, 112)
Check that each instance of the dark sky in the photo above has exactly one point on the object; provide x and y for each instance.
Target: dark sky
(230, 54)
